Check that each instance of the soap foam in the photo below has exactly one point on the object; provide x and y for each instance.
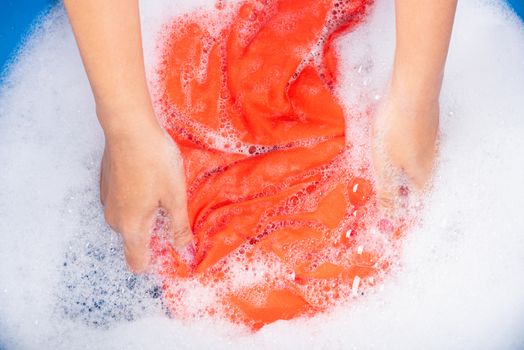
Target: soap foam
(459, 284)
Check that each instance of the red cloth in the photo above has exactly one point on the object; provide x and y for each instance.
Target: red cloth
(248, 96)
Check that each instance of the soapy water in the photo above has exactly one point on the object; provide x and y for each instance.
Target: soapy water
(458, 285)
(308, 261)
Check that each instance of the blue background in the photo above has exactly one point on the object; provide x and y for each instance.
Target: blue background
(17, 17)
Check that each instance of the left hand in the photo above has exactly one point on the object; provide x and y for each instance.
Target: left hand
(404, 143)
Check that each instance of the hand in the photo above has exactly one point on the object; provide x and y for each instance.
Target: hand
(141, 172)
(141, 168)
(404, 143)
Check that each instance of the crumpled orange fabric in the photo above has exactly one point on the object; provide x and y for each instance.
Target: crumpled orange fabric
(284, 225)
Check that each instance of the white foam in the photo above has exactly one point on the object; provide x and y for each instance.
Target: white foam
(460, 283)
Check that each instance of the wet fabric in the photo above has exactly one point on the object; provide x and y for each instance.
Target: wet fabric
(284, 224)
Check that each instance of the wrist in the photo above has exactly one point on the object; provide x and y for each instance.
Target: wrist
(414, 96)
(128, 122)
(407, 106)
(420, 87)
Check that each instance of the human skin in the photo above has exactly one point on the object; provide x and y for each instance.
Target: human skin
(141, 169)
(406, 124)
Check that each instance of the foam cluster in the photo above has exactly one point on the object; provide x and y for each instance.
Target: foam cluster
(288, 192)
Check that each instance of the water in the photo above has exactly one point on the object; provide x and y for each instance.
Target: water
(459, 284)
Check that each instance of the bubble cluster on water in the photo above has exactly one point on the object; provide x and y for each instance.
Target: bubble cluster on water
(95, 286)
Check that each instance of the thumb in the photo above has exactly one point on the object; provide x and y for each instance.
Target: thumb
(175, 203)
(179, 228)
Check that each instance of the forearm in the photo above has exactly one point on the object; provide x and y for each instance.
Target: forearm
(423, 35)
(109, 38)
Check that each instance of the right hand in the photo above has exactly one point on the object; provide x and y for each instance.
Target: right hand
(141, 172)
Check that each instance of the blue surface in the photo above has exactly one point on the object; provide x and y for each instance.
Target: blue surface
(17, 17)
(518, 6)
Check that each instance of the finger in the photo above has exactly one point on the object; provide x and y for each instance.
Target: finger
(420, 175)
(176, 205)
(136, 252)
(385, 177)
(179, 226)
(426, 173)
(136, 238)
